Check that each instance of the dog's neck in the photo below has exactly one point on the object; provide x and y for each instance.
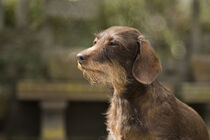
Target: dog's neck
(131, 103)
(130, 86)
(134, 90)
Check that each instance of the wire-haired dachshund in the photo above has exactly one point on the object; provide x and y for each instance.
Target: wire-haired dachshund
(141, 108)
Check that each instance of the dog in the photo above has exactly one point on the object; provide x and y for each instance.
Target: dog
(140, 108)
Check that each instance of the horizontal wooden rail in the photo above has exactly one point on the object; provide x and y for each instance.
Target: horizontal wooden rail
(195, 92)
(61, 91)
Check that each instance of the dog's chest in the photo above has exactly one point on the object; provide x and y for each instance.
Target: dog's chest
(124, 120)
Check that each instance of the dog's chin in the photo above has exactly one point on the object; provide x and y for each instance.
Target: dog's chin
(95, 76)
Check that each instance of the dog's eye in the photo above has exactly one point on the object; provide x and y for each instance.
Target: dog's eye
(112, 43)
(94, 42)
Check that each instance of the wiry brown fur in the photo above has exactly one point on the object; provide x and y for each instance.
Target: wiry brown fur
(141, 108)
(114, 74)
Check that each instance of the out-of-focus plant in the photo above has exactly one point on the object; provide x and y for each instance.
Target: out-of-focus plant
(205, 26)
(167, 24)
(36, 12)
(9, 11)
(21, 57)
(163, 22)
(205, 18)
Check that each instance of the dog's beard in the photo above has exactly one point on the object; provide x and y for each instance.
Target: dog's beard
(96, 77)
(106, 74)
(97, 73)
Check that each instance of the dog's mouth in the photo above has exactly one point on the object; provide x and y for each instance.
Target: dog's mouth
(86, 69)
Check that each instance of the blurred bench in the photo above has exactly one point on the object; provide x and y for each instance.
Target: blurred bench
(53, 99)
(66, 84)
(196, 92)
(199, 90)
(64, 91)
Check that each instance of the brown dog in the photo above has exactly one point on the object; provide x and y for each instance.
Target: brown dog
(141, 108)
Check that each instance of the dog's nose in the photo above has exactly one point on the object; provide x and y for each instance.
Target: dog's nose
(81, 57)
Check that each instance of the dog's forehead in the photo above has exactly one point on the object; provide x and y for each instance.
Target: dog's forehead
(116, 32)
(120, 29)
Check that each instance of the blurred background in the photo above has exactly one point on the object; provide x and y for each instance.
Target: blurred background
(43, 95)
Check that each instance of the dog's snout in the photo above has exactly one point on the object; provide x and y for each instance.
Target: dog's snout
(81, 57)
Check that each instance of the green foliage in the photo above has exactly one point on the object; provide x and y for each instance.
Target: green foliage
(9, 11)
(36, 10)
(205, 20)
(72, 33)
(20, 55)
(167, 24)
(129, 13)
(155, 18)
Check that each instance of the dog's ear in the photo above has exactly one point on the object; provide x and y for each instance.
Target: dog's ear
(147, 66)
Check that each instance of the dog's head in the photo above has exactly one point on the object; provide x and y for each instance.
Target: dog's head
(118, 53)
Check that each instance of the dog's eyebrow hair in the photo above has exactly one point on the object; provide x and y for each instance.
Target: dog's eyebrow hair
(97, 35)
